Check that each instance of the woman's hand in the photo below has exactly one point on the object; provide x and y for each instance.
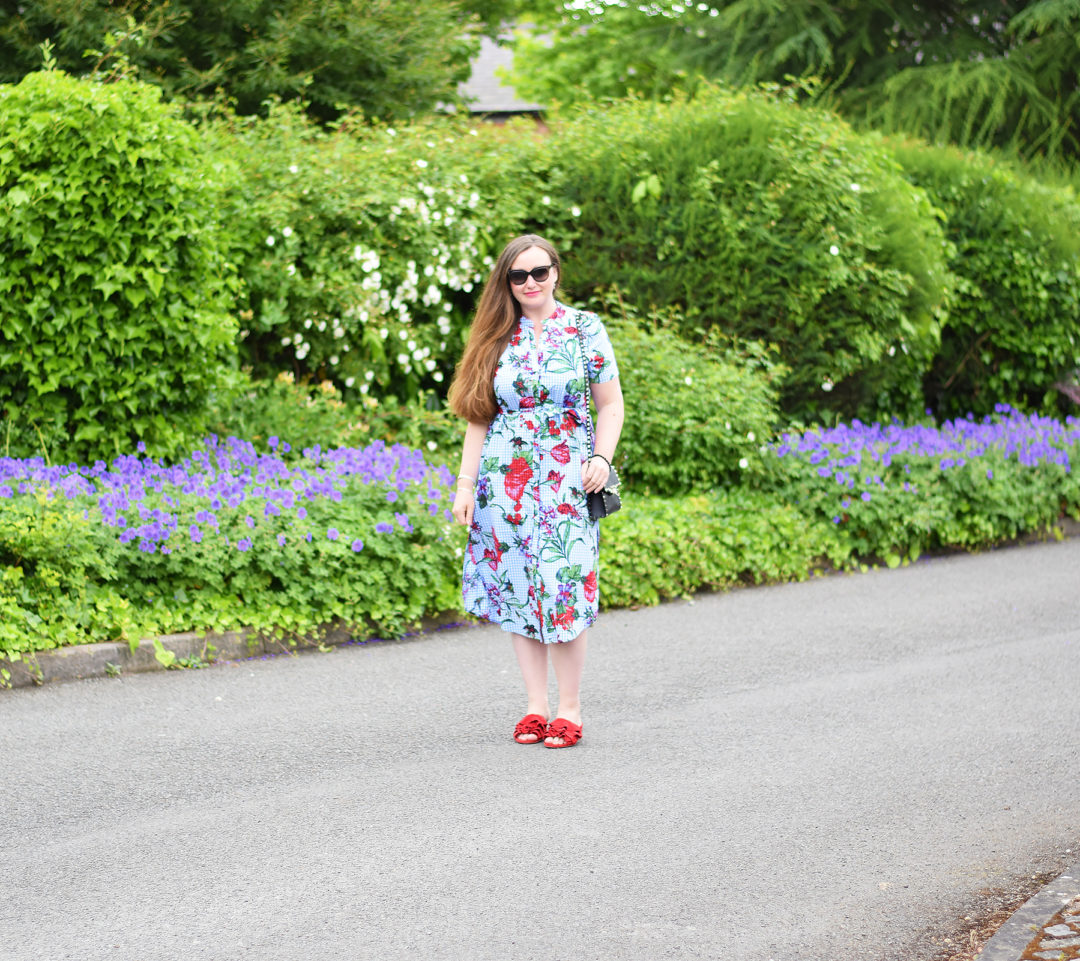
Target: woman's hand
(464, 505)
(594, 474)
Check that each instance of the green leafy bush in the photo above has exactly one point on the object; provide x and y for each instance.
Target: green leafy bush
(1010, 331)
(304, 415)
(697, 414)
(363, 248)
(114, 292)
(659, 548)
(769, 221)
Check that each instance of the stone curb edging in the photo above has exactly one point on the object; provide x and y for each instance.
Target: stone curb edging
(1037, 929)
(100, 660)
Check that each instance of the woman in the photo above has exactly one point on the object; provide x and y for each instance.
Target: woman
(531, 561)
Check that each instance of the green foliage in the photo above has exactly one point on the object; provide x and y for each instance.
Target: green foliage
(115, 290)
(304, 415)
(769, 222)
(387, 59)
(697, 414)
(65, 579)
(659, 548)
(362, 248)
(979, 73)
(1010, 333)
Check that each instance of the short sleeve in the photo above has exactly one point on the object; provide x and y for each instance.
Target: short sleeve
(600, 358)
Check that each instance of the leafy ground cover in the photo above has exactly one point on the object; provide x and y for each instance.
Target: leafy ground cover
(290, 541)
(893, 491)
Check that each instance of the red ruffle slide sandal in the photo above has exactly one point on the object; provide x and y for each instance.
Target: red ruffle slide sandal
(567, 731)
(531, 724)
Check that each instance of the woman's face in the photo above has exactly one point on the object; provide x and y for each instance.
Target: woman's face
(534, 292)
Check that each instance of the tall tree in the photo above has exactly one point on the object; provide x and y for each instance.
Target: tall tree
(978, 72)
(388, 58)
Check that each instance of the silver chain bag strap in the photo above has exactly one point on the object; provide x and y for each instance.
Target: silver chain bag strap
(605, 501)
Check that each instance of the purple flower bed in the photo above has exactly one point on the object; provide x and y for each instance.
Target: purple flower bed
(228, 537)
(147, 501)
(898, 489)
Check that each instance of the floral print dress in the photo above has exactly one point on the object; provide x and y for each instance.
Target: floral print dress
(531, 561)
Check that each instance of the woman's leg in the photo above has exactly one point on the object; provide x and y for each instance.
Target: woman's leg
(568, 659)
(533, 660)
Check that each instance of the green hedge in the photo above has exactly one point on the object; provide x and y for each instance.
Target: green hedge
(363, 248)
(114, 288)
(770, 221)
(1012, 323)
(697, 414)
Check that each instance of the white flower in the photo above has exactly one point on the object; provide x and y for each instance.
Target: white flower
(892, 351)
(826, 385)
(357, 252)
(834, 250)
(298, 339)
(391, 132)
(403, 334)
(431, 445)
(285, 341)
(349, 381)
(856, 188)
(545, 200)
(688, 381)
(334, 360)
(421, 163)
(384, 333)
(286, 231)
(291, 270)
(307, 324)
(403, 360)
(270, 241)
(369, 375)
(293, 169)
(437, 377)
(575, 211)
(743, 463)
(750, 436)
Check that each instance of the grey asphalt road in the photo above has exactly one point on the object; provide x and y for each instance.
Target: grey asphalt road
(827, 771)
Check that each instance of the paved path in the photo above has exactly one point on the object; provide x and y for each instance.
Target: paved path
(815, 772)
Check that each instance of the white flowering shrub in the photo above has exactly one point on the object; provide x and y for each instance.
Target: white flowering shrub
(363, 248)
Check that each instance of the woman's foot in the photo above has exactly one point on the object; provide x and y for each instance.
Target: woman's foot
(531, 729)
(571, 716)
(562, 733)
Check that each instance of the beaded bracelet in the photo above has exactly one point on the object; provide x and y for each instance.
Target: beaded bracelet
(603, 458)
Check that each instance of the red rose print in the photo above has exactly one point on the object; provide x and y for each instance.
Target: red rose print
(561, 453)
(568, 509)
(553, 428)
(527, 403)
(555, 479)
(566, 618)
(570, 330)
(516, 478)
(590, 587)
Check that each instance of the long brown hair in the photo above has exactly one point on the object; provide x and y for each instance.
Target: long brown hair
(472, 394)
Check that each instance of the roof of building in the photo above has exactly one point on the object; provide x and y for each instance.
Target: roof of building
(485, 90)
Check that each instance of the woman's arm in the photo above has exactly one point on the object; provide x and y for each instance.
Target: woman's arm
(609, 420)
(464, 499)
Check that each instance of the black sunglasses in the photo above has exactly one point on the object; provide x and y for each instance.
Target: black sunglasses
(539, 274)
